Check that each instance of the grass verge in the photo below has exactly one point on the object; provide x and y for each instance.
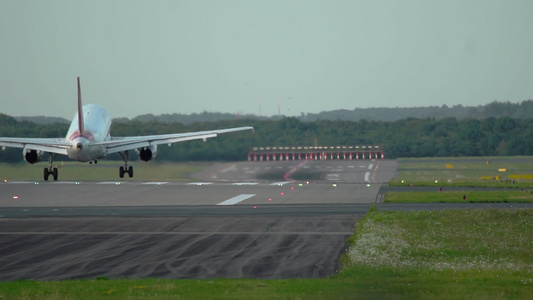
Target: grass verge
(465, 171)
(454, 254)
(466, 196)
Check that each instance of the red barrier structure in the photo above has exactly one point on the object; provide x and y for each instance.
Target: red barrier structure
(316, 153)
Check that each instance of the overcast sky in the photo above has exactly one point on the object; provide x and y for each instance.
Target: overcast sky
(137, 57)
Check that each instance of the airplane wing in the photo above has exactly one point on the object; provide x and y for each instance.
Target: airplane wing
(118, 144)
(53, 145)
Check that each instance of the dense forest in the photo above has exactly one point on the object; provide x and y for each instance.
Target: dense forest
(409, 137)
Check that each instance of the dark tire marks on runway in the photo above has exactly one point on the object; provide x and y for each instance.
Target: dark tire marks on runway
(195, 247)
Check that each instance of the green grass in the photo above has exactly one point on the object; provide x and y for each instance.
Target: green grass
(450, 240)
(465, 171)
(104, 170)
(476, 253)
(453, 254)
(437, 196)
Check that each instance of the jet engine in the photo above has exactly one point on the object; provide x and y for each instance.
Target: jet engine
(147, 153)
(32, 156)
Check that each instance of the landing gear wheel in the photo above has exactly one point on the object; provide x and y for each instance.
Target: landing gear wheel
(125, 169)
(50, 170)
(55, 173)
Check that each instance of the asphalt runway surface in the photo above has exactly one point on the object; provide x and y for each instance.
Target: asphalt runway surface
(285, 219)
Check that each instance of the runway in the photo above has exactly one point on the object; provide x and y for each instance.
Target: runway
(245, 219)
(244, 183)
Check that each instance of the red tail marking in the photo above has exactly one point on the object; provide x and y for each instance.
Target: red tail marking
(80, 111)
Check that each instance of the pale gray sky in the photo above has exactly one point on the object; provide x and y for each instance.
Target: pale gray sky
(137, 57)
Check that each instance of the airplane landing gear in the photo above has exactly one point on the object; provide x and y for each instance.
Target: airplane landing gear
(125, 169)
(50, 170)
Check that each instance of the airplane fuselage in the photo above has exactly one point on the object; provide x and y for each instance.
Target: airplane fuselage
(97, 123)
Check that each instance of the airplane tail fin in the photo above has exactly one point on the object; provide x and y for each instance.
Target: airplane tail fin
(80, 110)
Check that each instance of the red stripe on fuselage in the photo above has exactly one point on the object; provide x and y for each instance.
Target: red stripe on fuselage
(88, 135)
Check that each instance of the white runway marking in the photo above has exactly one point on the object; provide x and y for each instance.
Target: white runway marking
(236, 199)
(199, 183)
(280, 183)
(245, 183)
(370, 166)
(367, 176)
(171, 232)
(154, 183)
(109, 182)
(231, 168)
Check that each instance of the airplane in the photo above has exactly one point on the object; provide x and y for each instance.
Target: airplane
(88, 139)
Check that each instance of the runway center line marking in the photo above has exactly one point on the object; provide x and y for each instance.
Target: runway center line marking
(236, 199)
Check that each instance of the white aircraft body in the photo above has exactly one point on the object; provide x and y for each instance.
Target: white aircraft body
(88, 139)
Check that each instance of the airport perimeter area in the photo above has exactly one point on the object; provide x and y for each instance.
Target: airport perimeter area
(233, 222)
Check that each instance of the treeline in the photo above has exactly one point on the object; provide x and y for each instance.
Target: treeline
(522, 110)
(410, 137)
